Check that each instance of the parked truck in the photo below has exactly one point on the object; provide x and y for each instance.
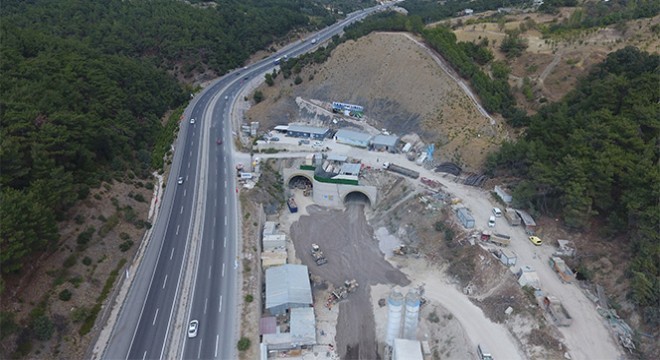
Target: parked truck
(512, 217)
(557, 311)
(560, 267)
(496, 238)
(401, 170)
(318, 255)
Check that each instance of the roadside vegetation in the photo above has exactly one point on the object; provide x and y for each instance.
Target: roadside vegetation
(93, 93)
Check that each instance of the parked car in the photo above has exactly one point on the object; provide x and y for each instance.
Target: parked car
(491, 221)
(497, 212)
(192, 328)
(535, 240)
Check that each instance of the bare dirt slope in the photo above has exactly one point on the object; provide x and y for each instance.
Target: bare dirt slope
(402, 89)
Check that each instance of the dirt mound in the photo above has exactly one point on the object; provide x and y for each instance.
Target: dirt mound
(401, 87)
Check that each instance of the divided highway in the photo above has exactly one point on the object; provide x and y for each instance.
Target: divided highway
(201, 211)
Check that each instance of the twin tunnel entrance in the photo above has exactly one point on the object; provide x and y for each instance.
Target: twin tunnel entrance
(305, 184)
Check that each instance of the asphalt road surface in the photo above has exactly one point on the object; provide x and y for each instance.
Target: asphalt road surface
(146, 321)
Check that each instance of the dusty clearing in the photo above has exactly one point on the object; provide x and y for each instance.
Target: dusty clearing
(402, 89)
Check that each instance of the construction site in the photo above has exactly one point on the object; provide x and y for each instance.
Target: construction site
(402, 252)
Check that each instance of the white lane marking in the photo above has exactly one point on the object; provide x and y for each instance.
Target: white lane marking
(155, 317)
(190, 153)
(212, 244)
(216, 171)
(217, 337)
(214, 220)
(225, 171)
(172, 254)
(199, 352)
(145, 355)
(220, 305)
(225, 221)
(225, 200)
(225, 184)
(164, 281)
(182, 209)
(215, 202)
(206, 301)
(177, 231)
(210, 267)
(188, 164)
(223, 269)
(184, 192)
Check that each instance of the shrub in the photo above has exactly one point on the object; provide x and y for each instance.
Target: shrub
(85, 236)
(65, 295)
(258, 96)
(433, 317)
(126, 245)
(139, 198)
(298, 80)
(42, 328)
(243, 344)
(70, 261)
(249, 298)
(87, 261)
(124, 236)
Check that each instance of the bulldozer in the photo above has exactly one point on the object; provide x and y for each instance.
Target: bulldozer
(404, 250)
(318, 255)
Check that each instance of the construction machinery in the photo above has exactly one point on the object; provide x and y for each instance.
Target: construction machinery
(342, 292)
(318, 255)
(401, 170)
(565, 273)
(404, 250)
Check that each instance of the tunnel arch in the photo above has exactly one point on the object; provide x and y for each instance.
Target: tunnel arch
(300, 181)
(357, 197)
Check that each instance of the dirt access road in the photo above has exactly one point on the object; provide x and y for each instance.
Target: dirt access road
(348, 242)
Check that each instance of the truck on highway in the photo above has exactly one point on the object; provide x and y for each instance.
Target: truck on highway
(557, 311)
(317, 254)
(401, 170)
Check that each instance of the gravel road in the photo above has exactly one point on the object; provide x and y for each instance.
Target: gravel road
(348, 242)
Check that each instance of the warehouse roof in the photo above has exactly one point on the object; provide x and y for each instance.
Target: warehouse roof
(353, 135)
(308, 129)
(385, 140)
(350, 169)
(303, 326)
(287, 284)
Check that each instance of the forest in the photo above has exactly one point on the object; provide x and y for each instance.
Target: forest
(592, 158)
(85, 85)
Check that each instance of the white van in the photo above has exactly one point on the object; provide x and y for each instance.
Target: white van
(483, 353)
(497, 212)
(491, 221)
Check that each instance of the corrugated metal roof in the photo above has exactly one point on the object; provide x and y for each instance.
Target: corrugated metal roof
(527, 219)
(270, 228)
(336, 157)
(303, 326)
(353, 135)
(308, 129)
(287, 284)
(385, 140)
(281, 127)
(350, 169)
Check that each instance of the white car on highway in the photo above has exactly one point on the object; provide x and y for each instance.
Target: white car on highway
(192, 328)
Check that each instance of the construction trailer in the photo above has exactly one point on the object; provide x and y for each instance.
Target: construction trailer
(507, 257)
(465, 217)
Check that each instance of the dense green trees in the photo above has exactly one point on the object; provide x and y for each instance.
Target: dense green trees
(596, 153)
(85, 84)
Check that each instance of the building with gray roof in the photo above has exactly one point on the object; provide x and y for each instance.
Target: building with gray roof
(385, 143)
(306, 131)
(303, 327)
(287, 287)
(353, 138)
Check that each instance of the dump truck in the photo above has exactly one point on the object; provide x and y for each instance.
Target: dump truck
(560, 267)
(429, 182)
(318, 255)
(512, 217)
(557, 311)
(401, 170)
(496, 238)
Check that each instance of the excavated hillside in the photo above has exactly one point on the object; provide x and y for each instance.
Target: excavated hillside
(402, 88)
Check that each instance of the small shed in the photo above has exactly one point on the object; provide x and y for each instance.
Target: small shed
(405, 349)
(385, 143)
(527, 276)
(465, 217)
(287, 286)
(272, 258)
(267, 325)
(306, 131)
(353, 138)
(350, 169)
(506, 197)
(274, 241)
(303, 327)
